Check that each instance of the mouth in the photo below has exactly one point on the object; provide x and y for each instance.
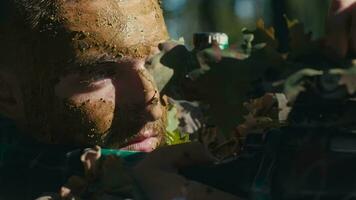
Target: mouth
(145, 141)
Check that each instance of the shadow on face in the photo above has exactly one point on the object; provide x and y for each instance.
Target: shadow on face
(114, 104)
(86, 83)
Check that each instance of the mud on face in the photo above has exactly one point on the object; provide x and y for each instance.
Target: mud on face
(75, 34)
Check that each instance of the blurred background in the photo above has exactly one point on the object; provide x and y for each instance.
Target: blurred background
(184, 17)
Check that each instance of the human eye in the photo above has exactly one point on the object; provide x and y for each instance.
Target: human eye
(97, 74)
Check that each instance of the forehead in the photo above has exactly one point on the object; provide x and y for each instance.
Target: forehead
(117, 27)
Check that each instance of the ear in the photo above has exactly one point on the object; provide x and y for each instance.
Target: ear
(11, 103)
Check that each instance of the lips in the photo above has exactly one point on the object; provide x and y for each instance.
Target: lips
(147, 141)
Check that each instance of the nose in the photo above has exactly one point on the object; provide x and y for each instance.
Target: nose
(136, 88)
(153, 109)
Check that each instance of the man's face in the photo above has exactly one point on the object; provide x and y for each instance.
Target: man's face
(103, 93)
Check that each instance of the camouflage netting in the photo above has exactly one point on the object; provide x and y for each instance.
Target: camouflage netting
(303, 87)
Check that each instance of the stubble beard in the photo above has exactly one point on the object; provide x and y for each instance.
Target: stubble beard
(129, 126)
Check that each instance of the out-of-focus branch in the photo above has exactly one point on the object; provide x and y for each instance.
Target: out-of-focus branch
(280, 24)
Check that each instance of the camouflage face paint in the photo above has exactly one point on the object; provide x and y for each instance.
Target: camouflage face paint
(82, 33)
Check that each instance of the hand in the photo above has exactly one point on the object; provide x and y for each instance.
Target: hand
(158, 178)
(341, 28)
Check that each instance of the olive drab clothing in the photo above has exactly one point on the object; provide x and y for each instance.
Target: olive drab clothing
(29, 169)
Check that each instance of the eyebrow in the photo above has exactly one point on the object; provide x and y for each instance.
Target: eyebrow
(89, 64)
(93, 63)
(100, 60)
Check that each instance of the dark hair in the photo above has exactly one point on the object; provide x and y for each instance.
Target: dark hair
(30, 13)
(22, 24)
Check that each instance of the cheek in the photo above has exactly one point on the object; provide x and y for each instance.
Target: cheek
(97, 107)
(86, 123)
(98, 115)
(94, 105)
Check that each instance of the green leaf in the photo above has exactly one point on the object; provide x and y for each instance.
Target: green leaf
(176, 137)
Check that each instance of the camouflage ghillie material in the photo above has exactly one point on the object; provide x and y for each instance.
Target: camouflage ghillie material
(105, 177)
(60, 172)
(297, 137)
(304, 87)
(29, 169)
